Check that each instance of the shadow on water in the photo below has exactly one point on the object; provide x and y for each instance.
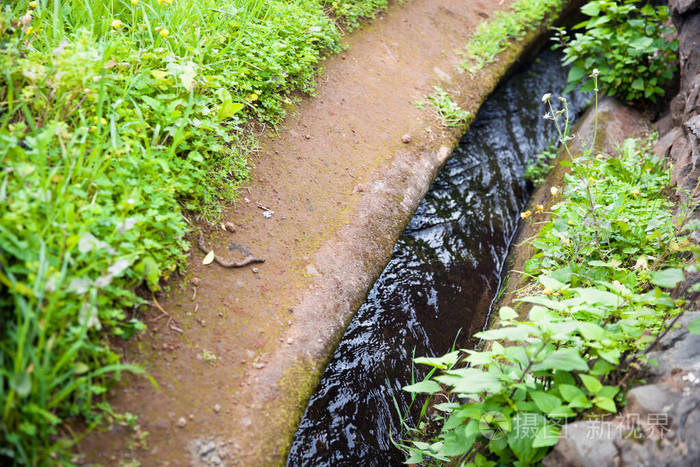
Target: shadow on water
(443, 274)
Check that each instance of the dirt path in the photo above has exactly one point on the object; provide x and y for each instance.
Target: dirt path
(339, 185)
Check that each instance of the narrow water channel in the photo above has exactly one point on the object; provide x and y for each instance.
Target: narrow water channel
(442, 277)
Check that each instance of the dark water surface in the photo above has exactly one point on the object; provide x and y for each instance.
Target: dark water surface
(443, 274)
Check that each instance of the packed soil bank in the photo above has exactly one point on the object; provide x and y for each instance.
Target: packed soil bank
(236, 353)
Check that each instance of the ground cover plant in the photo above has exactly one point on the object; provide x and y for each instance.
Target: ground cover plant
(493, 36)
(116, 116)
(447, 110)
(630, 46)
(601, 274)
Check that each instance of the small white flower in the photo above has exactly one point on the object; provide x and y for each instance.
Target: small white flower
(547, 116)
(595, 73)
(546, 97)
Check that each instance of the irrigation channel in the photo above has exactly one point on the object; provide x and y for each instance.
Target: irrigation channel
(443, 275)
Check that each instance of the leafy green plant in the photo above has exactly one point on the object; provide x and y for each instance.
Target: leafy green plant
(449, 112)
(629, 45)
(493, 36)
(598, 297)
(538, 169)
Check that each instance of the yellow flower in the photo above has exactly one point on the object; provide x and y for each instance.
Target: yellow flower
(547, 291)
(600, 157)
(164, 33)
(29, 31)
(635, 192)
(570, 222)
(253, 97)
(539, 208)
(554, 190)
(526, 214)
(134, 2)
(116, 24)
(32, 4)
(103, 121)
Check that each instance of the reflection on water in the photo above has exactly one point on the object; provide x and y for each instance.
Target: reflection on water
(442, 276)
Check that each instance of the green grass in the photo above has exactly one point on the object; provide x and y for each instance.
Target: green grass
(447, 110)
(116, 117)
(494, 36)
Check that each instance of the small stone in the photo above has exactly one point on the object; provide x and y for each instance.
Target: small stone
(255, 270)
(191, 416)
(230, 227)
(290, 341)
(181, 422)
(307, 136)
(217, 408)
(206, 448)
(216, 460)
(406, 138)
(196, 281)
(258, 365)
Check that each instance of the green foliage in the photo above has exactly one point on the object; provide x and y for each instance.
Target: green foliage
(599, 304)
(114, 118)
(493, 36)
(538, 170)
(628, 45)
(352, 12)
(449, 112)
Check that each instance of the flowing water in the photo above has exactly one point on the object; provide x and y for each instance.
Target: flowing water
(443, 275)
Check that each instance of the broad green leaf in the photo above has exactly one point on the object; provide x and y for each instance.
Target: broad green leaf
(446, 361)
(667, 278)
(569, 392)
(427, 386)
(590, 331)
(576, 73)
(642, 43)
(548, 435)
(594, 296)
(228, 109)
(591, 383)
(470, 381)
(694, 326)
(638, 84)
(608, 391)
(551, 283)
(545, 402)
(605, 403)
(566, 359)
(521, 437)
(590, 9)
(507, 313)
(512, 333)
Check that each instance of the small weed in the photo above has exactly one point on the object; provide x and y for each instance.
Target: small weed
(447, 110)
(538, 170)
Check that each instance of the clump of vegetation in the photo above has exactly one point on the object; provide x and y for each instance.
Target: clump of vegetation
(629, 45)
(601, 275)
(537, 170)
(115, 117)
(449, 112)
(493, 36)
(354, 11)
